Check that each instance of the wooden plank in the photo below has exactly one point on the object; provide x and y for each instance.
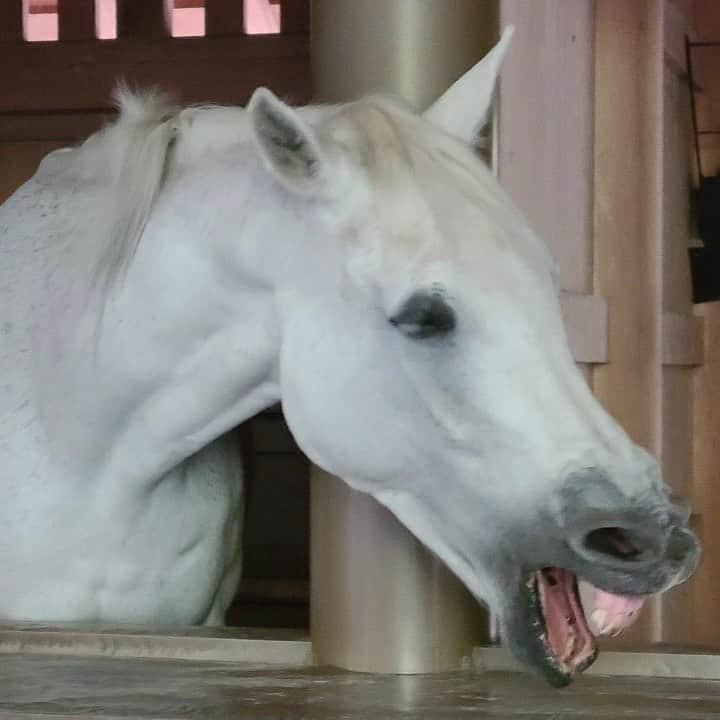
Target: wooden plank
(675, 28)
(51, 126)
(294, 17)
(627, 228)
(76, 19)
(682, 340)
(706, 472)
(545, 141)
(586, 325)
(80, 76)
(11, 21)
(143, 18)
(628, 65)
(224, 17)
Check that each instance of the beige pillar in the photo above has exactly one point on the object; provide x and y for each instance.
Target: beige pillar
(380, 602)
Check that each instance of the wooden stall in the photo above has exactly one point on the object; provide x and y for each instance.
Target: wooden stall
(600, 166)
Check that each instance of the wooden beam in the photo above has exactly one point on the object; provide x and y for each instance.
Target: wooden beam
(11, 21)
(67, 127)
(76, 19)
(71, 77)
(294, 17)
(224, 17)
(143, 18)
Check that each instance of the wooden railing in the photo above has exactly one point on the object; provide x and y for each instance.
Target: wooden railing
(62, 89)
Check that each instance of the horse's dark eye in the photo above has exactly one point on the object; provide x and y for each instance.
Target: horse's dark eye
(425, 314)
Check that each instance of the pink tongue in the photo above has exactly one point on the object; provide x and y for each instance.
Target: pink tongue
(607, 613)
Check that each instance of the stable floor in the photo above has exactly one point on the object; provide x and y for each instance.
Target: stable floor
(38, 686)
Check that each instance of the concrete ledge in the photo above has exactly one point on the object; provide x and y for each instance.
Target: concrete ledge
(258, 647)
(698, 666)
(290, 648)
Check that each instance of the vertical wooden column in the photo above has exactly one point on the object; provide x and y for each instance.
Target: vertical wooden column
(224, 17)
(76, 19)
(380, 602)
(11, 21)
(627, 224)
(294, 16)
(143, 18)
(706, 407)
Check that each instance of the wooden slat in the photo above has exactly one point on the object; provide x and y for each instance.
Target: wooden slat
(79, 76)
(627, 228)
(224, 17)
(143, 18)
(11, 21)
(683, 340)
(294, 17)
(76, 19)
(586, 324)
(551, 61)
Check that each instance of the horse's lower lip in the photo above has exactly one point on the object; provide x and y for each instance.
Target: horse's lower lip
(558, 669)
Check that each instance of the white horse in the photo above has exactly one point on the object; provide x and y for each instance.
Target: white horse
(186, 268)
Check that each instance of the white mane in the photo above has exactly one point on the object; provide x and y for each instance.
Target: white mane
(151, 137)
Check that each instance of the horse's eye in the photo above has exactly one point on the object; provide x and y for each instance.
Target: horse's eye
(425, 314)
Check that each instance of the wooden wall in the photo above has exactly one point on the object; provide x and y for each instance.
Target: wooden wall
(594, 141)
(706, 66)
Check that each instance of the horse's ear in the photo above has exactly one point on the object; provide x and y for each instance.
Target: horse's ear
(464, 109)
(288, 146)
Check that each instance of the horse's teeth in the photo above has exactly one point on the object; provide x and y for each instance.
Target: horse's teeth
(569, 647)
(599, 622)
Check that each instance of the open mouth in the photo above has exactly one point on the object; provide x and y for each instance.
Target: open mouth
(567, 624)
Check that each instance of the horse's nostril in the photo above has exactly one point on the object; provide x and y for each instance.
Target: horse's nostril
(612, 541)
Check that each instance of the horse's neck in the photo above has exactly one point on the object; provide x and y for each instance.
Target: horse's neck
(205, 317)
(187, 347)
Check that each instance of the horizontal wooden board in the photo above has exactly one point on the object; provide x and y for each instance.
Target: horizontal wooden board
(81, 76)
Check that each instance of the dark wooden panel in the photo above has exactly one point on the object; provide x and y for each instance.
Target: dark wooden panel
(224, 17)
(143, 18)
(294, 16)
(271, 435)
(81, 76)
(76, 19)
(67, 127)
(11, 21)
(277, 530)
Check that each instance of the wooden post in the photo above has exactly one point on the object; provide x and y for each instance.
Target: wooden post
(143, 18)
(76, 20)
(627, 225)
(224, 17)
(11, 21)
(380, 602)
(294, 17)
